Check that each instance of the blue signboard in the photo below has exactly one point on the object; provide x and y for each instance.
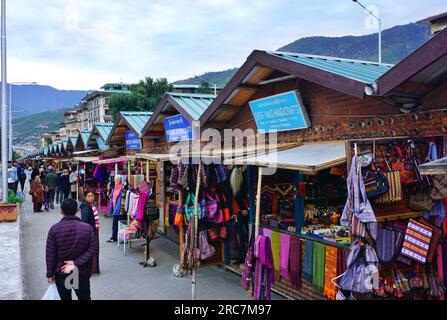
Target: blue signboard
(177, 128)
(132, 140)
(281, 112)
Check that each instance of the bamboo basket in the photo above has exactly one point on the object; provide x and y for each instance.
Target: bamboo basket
(9, 212)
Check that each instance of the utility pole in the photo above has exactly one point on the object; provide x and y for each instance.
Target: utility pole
(380, 27)
(213, 84)
(4, 106)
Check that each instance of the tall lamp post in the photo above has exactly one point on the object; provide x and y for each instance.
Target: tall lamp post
(380, 27)
(10, 115)
(213, 84)
(4, 130)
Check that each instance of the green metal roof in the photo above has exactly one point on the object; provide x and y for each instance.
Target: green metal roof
(136, 120)
(74, 140)
(362, 71)
(194, 104)
(84, 136)
(104, 129)
(101, 144)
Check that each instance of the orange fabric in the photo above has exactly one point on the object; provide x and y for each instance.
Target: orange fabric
(330, 272)
(116, 193)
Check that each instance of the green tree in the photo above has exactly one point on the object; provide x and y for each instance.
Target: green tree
(145, 96)
(205, 88)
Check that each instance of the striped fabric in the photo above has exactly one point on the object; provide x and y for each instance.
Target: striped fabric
(417, 241)
(394, 193)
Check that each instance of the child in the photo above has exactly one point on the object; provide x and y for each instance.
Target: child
(47, 199)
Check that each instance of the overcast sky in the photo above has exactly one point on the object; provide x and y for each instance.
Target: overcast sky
(79, 44)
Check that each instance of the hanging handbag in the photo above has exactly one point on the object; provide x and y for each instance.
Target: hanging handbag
(179, 217)
(417, 241)
(436, 287)
(437, 235)
(395, 192)
(213, 234)
(388, 244)
(218, 216)
(209, 206)
(420, 200)
(190, 207)
(375, 183)
(405, 166)
(439, 189)
(206, 250)
(223, 232)
(366, 158)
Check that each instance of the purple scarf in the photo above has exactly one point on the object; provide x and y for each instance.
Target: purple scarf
(264, 267)
(284, 255)
(295, 262)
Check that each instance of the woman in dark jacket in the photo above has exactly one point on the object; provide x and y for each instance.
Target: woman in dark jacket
(88, 216)
(64, 183)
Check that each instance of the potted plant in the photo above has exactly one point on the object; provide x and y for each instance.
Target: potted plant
(9, 211)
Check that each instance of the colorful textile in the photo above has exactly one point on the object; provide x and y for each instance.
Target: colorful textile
(275, 250)
(417, 241)
(308, 259)
(266, 232)
(330, 272)
(116, 193)
(295, 262)
(319, 253)
(141, 206)
(264, 268)
(96, 215)
(284, 255)
(440, 267)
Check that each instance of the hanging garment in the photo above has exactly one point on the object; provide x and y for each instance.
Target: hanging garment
(308, 259)
(126, 204)
(236, 180)
(330, 272)
(275, 250)
(284, 255)
(295, 262)
(267, 232)
(258, 248)
(264, 269)
(417, 241)
(141, 205)
(441, 267)
(318, 266)
(134, 207)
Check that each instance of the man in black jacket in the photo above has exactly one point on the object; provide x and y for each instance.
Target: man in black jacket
(71, 245)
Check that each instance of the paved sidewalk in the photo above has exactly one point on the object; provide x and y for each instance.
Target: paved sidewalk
(121, 276)
(10, 266)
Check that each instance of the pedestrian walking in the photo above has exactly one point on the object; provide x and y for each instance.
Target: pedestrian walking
(71, 245)
(59, 193)
(74, 184)
(22, 177)
(89, 214)
(51, 183)
(117, 201)
(29, 176)
(12, 177)
(37, 194)
(64, 184)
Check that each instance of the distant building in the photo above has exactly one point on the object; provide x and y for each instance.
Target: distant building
(43, 139)
(437, 22)
(72, 125)
(94, 107)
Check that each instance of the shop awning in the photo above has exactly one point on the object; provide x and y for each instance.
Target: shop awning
(113, 160)
(308, 158)
(86, 159)
(434, 167)
(84, 152)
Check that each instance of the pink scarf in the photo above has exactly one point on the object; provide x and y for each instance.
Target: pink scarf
(284, 255)
(141, 205)
(116, 193)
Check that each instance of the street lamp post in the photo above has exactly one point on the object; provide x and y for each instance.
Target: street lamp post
(4, 130)
(10, 115)
(213, 84)
(380, 27)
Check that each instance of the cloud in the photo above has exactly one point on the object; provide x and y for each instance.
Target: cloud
(78, 44)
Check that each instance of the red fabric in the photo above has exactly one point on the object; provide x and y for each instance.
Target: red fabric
(116, 193)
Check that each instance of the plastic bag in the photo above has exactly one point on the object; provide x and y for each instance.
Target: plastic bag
(51, 293)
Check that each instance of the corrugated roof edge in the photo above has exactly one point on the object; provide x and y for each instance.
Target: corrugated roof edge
(305, 55)
(191, 95)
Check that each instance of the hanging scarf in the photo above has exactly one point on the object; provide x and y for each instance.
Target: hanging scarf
(275, 250)
(266, 232)
(284, 255)
(330, 272)
(440, 267)
(295, 262)
(96, 215)
(257, 290)
(141, 206)
(308, 259)
(318, 266)
(269, 269)
(116, 193)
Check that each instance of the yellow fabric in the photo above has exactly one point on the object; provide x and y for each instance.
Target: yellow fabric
(330, 272)
(275, 251)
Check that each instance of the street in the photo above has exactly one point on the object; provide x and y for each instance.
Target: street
(121, 276)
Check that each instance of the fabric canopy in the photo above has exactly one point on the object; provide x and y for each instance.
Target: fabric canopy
(434, 167)
(113, 160)
(310, 157)
(84, 152)
(85, 159)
